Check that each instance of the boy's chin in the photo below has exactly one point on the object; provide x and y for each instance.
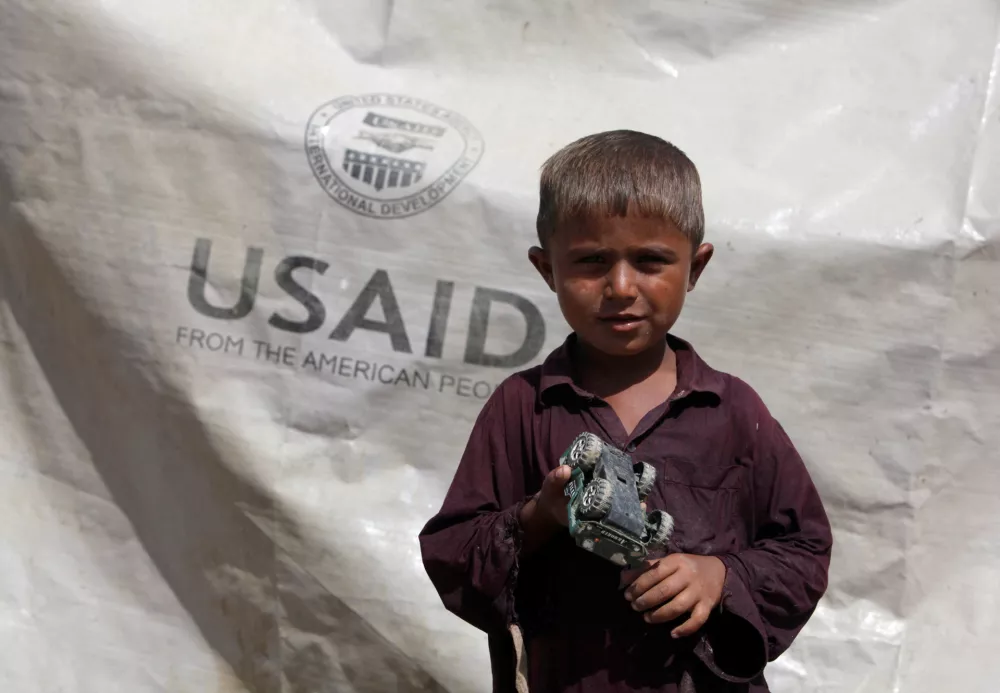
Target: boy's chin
(623, 345)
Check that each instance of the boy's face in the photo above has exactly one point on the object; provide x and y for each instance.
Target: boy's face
(621, 281)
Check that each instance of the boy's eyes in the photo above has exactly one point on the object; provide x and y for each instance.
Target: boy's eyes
(641, 260)
(645, 259)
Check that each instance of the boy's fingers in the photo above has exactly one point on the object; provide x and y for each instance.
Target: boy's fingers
(639, 580)
(699, 617)
(657, 571)
(557, 479)
(675, 608)
(629, 576)
(662, 592)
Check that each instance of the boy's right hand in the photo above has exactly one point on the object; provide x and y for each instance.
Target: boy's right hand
(544, 515)
(551, 501)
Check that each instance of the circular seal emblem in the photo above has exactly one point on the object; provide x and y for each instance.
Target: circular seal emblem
(389, 156)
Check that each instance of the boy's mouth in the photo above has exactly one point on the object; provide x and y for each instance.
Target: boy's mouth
(621, 322)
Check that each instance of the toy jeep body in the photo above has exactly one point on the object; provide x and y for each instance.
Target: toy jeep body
(605, 513)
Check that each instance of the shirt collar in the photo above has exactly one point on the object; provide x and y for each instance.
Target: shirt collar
(693, 374)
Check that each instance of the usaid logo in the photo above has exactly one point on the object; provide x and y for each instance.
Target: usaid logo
(389, 156)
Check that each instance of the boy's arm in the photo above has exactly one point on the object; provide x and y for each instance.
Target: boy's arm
(772, 588)
(471, 548)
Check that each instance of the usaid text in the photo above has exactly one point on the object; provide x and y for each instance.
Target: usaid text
(288, 275)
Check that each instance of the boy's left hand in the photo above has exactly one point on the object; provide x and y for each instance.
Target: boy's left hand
(670, 587)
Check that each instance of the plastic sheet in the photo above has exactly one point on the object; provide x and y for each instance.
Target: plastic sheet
(260, 263)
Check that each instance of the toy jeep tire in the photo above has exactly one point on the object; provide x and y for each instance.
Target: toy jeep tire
(585, 452)
(596, 500)
(645, 478)
(661, 527)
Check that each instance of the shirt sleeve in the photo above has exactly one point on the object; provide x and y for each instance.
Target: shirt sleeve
(771, 589)
(470, 547)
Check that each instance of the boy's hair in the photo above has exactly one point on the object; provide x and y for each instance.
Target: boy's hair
(615, 172)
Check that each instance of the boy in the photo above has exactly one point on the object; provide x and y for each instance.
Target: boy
(620, 228)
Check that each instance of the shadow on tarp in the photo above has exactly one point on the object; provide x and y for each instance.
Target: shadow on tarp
(277, 626)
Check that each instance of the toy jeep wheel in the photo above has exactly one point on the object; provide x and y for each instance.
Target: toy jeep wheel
(662, 526)
(646, 477)
(596, 500)
(585, 452)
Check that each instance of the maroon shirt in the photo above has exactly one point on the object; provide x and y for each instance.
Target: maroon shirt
(726, 472)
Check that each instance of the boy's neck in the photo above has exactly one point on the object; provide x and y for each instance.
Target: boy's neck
(606, 374)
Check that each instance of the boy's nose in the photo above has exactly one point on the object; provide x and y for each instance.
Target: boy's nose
(620, 282)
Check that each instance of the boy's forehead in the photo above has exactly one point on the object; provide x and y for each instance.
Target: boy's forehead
(615, 230)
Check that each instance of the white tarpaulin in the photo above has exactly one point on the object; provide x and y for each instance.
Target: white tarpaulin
(262, 262)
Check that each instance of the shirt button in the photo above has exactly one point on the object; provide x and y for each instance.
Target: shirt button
(631, 447)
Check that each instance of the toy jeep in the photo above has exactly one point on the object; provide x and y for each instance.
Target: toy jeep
(606, 490)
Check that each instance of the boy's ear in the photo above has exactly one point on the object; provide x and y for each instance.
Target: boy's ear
(540, 259)
(700, 260)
